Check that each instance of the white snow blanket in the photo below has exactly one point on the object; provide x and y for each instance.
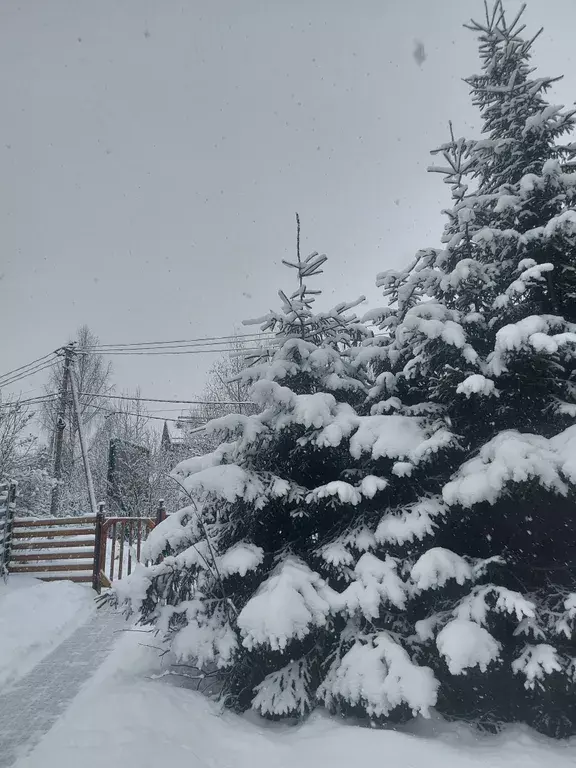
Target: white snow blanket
(125, 717)
(35, 616)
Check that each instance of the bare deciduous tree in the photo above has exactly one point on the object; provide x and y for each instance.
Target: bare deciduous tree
(223, 393)
(15, 442)
(24, 459)
(93, 377)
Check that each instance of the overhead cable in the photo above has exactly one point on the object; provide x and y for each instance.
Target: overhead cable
(244, 351)
(161, 400)
(202, 340)
(31, 372)
(22, 370)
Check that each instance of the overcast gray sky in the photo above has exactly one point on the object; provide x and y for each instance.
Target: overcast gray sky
(152, 156)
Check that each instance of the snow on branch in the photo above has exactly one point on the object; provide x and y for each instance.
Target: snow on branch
(346, 493)
(535, 334)
(437, 566)
(241, 558)
(246, 428)
(513, 457)
(435, 321)
(390, 436)
(292, 601)
(398, 437)
(465, 644)
(535, 663)
(207, 637)
(231, 482)
(412, 522)
(377, 583)
(531, 273)
(196, 464)
(476, 384)
(174, 533)
(378, 675)
(338, 552)
(491, 597)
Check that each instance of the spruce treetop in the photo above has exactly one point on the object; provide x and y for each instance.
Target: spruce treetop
(520, 126)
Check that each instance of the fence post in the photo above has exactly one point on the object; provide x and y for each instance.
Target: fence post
(98, 547)
(160, 512)
(7, 544)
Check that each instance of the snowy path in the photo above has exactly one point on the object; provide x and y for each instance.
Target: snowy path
(30, 707)
(124, 717)
(101, 698)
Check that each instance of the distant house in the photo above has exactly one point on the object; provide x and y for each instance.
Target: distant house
(172, 437)
(177, 436)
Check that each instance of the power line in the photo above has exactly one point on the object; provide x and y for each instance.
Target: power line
(30, 401)
(27, 374)
(209, 344)
(144, 415)
(161, 400)
(230, 338)
(244, 351)
(165, 410)
(31, 372)
(33, 363)
(189, 345)
(52, 395)
(15, 370)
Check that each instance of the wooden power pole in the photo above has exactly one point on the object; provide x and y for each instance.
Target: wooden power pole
(60, 427)
(83, 447)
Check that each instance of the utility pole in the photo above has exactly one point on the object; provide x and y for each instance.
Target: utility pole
(87, 471)
(60, 427)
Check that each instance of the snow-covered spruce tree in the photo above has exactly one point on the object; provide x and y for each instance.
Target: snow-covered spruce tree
(483, 330)
(277, 572)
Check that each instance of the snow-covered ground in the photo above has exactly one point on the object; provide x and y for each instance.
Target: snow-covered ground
(36, 616)
(127, 715)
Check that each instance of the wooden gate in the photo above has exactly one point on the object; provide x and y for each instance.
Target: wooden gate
(81, 549)
(54, 549)
(121, 546)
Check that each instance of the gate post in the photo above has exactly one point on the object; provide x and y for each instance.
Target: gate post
(160, 512)
(98, 548)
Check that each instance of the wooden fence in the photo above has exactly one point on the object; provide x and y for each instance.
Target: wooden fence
(91, 549)
(7, 505)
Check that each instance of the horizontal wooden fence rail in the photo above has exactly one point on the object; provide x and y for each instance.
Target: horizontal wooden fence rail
(57, 522)
(51, 533)
(17, 544)
(56, 556)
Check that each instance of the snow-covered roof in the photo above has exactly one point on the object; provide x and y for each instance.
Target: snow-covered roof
(175, 433)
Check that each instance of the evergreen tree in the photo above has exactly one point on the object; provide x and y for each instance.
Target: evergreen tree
(483, 329)
(394, 530)
(276, 572)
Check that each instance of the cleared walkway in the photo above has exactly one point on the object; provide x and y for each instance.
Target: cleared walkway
(31, 706)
